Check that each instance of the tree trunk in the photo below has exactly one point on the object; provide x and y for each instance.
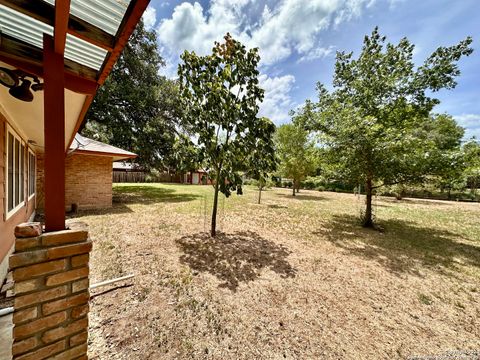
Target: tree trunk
(293, 187)
(368, 219)
(260, 187)
(213, 230)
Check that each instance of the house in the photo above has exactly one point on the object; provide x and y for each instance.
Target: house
(54, 56)
(197, 177)
(88, 174)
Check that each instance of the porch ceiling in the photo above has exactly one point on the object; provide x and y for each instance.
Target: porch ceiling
(94, 35)
(27, 117)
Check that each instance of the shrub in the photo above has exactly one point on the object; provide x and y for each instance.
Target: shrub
(252, 182)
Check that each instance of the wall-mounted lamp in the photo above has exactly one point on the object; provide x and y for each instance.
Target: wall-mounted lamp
(12, 78)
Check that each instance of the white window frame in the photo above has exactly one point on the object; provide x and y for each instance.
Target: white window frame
(30, 197)
(8, 214)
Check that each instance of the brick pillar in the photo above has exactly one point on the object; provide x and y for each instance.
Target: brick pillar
(50, 272)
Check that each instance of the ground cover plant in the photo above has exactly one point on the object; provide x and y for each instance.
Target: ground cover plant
(294, 277)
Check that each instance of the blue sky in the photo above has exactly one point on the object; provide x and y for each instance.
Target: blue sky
(298, 40)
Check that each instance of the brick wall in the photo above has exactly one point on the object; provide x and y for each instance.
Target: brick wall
(88, 181)
(50, 272)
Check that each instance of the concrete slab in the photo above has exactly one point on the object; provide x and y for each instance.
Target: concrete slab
(6, 339)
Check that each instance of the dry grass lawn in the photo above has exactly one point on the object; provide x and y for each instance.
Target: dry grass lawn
(292, 278)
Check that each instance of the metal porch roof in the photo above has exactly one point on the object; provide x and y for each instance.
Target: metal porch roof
(30, 31)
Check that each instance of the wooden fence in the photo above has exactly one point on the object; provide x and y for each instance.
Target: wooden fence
(142, 177)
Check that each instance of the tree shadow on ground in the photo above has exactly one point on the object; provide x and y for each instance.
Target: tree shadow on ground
(276, 206)
(149, 195)
(115, 209)
(404, 247)
(429, 202)
(234, 258)
(303, 197)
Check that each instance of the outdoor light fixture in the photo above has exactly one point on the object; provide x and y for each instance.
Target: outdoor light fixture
(8, 78)
(21, 91)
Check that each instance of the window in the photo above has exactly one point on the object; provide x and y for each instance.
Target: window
(31, 174)
(15, 173)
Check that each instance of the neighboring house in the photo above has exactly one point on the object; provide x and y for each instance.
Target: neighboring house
(52, 61)
(197, 177)
(88, 174)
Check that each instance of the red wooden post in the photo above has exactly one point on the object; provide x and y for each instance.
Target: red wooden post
(54, 130)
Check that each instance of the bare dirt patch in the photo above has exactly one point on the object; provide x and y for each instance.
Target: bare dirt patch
(292, 278)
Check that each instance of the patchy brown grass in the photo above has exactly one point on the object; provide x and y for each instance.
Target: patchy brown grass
(292, 278)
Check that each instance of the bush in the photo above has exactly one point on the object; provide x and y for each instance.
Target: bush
(311, 182)
(252, 182)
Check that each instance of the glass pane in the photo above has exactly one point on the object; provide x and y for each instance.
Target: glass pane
(29, 174)
(10, 172)
(17, 173)
(22, 173)
(32, 174)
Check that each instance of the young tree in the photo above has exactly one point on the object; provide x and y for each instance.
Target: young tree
(446, 160)
(262, 161)
(372, 121)
(184, 156)
(295, 153)
(471, 150)
(137, 108)
(220, 95)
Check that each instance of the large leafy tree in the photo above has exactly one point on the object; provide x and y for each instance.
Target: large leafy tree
(296, 153)
(220, 94)
(137, 109)
(374, 118)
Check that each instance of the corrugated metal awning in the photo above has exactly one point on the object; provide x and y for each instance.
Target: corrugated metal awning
(93, 30)
(104, 14)
(30, 31)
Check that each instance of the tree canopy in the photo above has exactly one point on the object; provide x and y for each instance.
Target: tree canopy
(296, 153)
(375, 120)
(220, 95)
(262, 161)
(137, 109)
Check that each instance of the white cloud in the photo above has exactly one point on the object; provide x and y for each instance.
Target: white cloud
(317, 53)
(190, 29)
(289, 27)
(150, 18)
(471, 123)
(277, 102)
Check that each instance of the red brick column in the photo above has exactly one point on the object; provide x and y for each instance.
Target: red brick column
(50, 271)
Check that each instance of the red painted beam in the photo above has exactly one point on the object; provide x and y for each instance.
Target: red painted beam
(54, 133)
(130, 21)
(62, 14)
